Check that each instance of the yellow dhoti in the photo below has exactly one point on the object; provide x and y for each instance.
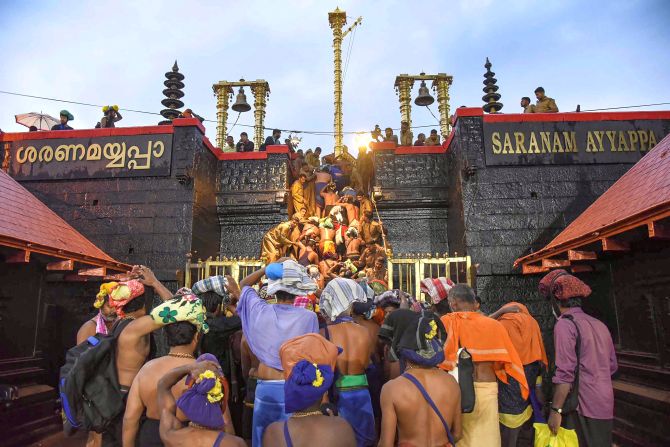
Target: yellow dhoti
(481, 427)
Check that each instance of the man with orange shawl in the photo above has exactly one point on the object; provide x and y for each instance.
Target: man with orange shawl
(526, 337)
(494, 357)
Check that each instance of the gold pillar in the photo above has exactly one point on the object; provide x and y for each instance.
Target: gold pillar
(337, 20)
(404, 84)
(442, 84)
(260, 90)
(221, 114)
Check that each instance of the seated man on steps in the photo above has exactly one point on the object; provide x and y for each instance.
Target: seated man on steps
(424, 403)
(309, 367)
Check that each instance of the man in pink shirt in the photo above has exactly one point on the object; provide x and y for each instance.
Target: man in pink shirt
(585, 362)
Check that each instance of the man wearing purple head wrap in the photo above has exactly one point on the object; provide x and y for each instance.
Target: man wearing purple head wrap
(204, 404)
(182, 338)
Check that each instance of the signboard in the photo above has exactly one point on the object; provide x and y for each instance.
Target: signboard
(91, 157)
(571, 142)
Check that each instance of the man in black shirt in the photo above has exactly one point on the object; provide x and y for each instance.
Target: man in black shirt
(245, 144)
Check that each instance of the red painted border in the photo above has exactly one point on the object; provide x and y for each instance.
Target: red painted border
(242, 155)
(277, 149)
(576, 116)
(468, 111)
(86, 133)
(404, 150)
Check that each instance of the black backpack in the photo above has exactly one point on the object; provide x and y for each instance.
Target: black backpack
(88, 384)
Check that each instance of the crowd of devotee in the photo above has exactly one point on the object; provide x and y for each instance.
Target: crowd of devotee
(315, 347)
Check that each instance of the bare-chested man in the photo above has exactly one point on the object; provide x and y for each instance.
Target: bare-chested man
(379, 270)
(326, 236)
(250, 374)
(309, 363)
(205, 428)
(330, 197)
(322, 179)
(354, 244)
(353, 403)
(417, 340)
(494, 358)
(307, 254)
(133, 330)
(371, 230)
(265, 328)
(310, 228)
(347, 202)
(100, 324)
(182, 338)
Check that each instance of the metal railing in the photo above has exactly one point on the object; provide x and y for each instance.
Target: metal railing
(404, 273)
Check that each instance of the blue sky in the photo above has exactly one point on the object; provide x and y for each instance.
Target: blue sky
(597, 54)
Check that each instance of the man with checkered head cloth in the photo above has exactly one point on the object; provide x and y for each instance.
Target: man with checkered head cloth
(353, 396)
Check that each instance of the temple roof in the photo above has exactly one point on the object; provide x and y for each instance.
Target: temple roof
(28, 224)
(641, 197)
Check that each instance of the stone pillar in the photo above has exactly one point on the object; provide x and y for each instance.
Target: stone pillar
(260, 90)
(222, 100)
(442, 86)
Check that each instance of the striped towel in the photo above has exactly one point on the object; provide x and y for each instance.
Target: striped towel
(295, 280)
(339, 295)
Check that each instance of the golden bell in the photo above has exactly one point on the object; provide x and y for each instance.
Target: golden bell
(241, 104)
(424, 98)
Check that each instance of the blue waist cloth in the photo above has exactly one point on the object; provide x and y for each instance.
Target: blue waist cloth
(268, 408)
(355, 406)
(318, 187)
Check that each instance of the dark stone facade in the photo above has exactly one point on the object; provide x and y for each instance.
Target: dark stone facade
(247, 204)
(154, 221)
(500, 213)
(414, 203)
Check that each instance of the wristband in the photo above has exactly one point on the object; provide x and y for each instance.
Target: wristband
(557, 410)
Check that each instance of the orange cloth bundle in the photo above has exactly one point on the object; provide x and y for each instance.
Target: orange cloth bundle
(487, 341)
(525, 334)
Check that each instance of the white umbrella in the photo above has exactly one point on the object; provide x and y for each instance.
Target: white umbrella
(40, 120)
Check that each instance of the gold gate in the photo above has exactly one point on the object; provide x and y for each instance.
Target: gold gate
(403, 273)
(406, 273)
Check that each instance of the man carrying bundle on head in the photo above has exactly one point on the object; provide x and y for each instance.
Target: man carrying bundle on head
(203, 404)
(133, 330)
(424, 403)
(267, 326)
(494, 358)
(309, 370)
(182, 338)
(353, 397)
(526, 337)
(438, 290)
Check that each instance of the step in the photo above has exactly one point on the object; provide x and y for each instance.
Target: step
(21, 362)
(20, 376)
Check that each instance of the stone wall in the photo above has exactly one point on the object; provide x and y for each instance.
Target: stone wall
(414, 203)
(246, 199)
(500, 213)
(154, 221)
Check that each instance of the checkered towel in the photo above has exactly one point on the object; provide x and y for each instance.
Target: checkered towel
(437, 288)
(295, 280)
(216, 284)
